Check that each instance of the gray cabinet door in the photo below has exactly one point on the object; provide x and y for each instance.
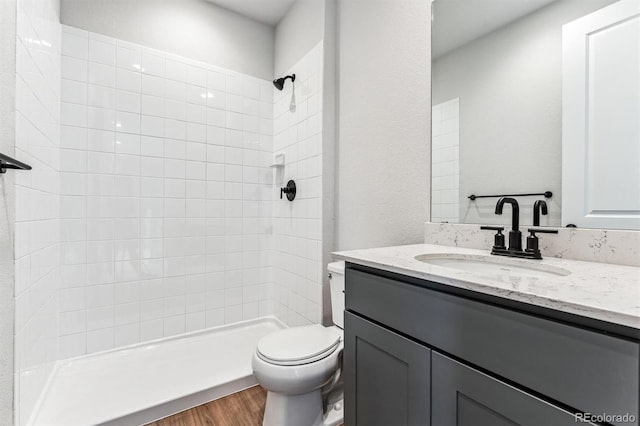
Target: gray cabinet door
(386, 376)
(462, 396)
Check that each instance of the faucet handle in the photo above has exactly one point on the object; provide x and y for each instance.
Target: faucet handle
(492, 228)
(498, 239)
(532, 240)
(533, 231)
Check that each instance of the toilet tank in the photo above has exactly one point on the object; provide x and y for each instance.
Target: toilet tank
(336, 282)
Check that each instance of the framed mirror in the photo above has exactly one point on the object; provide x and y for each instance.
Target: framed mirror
(498, 102)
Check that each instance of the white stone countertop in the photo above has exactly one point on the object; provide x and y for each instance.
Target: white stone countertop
(601, 291)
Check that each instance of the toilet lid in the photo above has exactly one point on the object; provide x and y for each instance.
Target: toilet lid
(299, 345)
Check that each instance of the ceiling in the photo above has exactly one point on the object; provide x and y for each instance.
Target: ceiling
(268, 12)
(457, 22)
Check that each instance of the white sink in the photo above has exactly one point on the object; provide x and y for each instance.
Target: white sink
(493, 265)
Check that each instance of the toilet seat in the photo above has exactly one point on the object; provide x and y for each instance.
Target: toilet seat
(299, 345)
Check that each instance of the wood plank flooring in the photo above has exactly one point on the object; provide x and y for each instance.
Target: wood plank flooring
(244, 408)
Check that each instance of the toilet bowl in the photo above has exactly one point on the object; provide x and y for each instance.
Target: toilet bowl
(300, 367)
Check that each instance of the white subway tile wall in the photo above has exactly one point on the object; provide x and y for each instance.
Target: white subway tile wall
(445, 153)
(37, 230)
(166, 195)
(297, 234)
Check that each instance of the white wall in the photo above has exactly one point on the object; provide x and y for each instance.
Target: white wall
(166, 194)
(297, 33)
(37, 230)
(195, 29)
(384, 119)
(7, 205)
(510, 85)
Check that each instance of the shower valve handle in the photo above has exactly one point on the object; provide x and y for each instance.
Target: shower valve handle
(290, 190)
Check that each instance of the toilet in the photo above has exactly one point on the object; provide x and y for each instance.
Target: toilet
(300, 367)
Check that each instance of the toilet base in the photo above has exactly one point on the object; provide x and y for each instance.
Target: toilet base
(296, 410)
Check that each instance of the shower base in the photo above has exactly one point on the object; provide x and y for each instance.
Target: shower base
(148, 381)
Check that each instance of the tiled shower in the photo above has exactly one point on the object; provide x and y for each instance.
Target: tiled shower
(166, 194)
(297, 226)
(37, 199)
(153, 209)
(445, 183)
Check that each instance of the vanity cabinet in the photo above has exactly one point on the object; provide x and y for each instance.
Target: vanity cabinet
(419, 352)
(463, 396)
(388, 376)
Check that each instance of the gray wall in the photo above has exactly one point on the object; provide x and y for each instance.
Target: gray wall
(195, 29)
(510, 84)
(298, 31)
(7, 219)
(384, 122)
(329, 138)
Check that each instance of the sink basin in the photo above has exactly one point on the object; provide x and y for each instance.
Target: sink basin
(492, 265)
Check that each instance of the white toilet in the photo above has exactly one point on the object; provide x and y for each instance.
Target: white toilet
(300, 367)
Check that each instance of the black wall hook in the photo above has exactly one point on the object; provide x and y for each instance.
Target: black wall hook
(7, 162)
(290, 190)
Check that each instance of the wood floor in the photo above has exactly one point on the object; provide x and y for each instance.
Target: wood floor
(239, 409)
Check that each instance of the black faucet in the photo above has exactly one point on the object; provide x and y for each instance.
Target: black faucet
(515, 236)
(540, 206)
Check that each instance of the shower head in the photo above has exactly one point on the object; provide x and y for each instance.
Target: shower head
(279, 82)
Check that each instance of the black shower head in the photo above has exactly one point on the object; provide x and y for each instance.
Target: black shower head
(279, 82)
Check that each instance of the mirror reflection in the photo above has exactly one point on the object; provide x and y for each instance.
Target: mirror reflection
(497, 105)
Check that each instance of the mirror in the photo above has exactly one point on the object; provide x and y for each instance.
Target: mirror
(497, 106)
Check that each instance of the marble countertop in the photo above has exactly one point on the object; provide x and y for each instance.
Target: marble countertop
(595, 290)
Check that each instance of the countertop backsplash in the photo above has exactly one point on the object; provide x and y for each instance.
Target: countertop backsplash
(592, 245)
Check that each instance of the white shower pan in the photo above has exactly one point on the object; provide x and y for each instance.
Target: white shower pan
(148, 381)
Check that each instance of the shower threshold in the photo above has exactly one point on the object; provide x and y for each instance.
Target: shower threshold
(148, 381)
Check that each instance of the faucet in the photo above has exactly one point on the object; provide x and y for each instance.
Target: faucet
(540, 206)
(515, 236)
